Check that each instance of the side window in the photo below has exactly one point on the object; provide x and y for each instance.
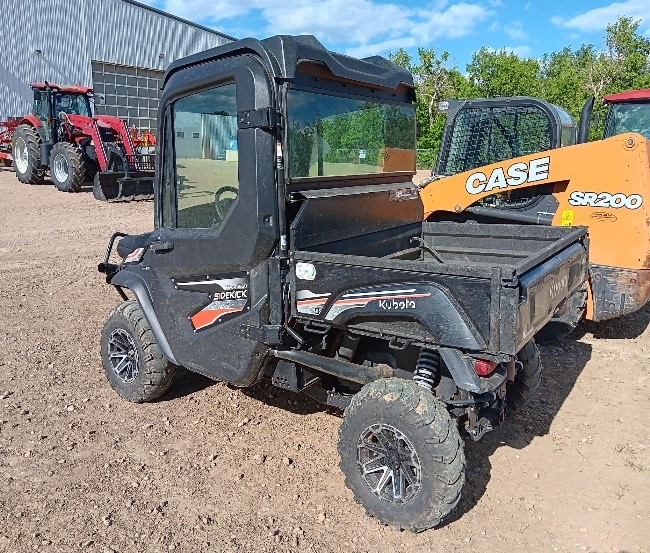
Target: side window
(207, 181)
(40, 109)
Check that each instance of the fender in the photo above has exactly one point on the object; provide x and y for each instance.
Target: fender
(137, 285)
(32, 120)
(461, 370)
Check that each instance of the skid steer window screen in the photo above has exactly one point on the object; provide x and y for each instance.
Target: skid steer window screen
(205, 144)
(481, 136)
(336, 136)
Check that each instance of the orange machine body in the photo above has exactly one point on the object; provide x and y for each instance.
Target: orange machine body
(604, 185)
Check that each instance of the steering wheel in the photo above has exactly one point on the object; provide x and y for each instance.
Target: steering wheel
(222, 204)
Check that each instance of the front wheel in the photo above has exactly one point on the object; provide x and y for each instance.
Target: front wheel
(401, 454)
(67, 167)
(134, 364)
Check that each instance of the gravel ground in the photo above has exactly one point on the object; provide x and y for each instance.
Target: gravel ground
(214, 468)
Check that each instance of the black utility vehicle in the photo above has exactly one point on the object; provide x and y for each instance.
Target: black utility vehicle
(289, 243)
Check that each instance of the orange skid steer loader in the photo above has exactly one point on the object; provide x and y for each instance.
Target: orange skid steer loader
(516, 159)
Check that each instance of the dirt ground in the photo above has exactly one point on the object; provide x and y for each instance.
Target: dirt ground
(213, 468)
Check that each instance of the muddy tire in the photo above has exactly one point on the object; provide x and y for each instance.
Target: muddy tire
(67, 168)
(401, 454)
(26, 151)
(521, 392)
(561, 326)
(134, 364)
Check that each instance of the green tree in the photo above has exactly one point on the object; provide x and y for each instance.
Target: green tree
(502, 73)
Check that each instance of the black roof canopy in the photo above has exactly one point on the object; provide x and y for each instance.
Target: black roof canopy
(283, 53)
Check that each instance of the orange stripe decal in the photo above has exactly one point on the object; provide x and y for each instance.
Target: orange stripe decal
(207, 317)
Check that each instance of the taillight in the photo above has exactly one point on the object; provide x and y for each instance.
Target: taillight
(483, 367)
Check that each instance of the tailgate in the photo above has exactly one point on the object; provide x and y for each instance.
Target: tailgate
(546, 286)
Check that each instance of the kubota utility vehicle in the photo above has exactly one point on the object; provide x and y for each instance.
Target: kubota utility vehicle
(302, 256)
(63, 136)
(515, 160)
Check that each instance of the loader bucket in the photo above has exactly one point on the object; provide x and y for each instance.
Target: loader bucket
(113, 187)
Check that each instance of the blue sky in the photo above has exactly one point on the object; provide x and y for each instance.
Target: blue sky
(369, 27)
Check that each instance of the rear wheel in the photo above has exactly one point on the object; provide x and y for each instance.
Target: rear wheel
(401, 454)
(67, 167)
(562, 325)
(26, 151)
(134, 364)
(521, 392)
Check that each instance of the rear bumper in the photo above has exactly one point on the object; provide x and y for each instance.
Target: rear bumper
(617, 291)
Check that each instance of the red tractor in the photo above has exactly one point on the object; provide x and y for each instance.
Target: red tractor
(62, 135)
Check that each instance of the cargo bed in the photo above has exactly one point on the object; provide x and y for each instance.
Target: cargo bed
(481, 288)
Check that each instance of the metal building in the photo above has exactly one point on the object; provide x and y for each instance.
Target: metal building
(118, 47)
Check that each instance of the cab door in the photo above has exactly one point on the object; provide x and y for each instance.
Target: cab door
(216, 213)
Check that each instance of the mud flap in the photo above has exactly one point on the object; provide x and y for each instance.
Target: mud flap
(112, 187)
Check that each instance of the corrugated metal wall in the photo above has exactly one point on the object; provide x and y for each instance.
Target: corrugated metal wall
(56, 40)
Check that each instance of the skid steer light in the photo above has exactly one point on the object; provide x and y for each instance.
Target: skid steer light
(483, 367)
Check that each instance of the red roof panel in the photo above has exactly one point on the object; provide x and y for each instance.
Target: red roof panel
(632, 95)
(71, 88)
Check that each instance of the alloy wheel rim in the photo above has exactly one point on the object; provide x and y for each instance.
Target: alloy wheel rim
(389, 464)
(21, 155)
(123, 355)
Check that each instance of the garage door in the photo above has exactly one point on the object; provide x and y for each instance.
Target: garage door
(131, 93)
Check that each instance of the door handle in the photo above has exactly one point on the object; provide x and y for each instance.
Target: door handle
(162, 247)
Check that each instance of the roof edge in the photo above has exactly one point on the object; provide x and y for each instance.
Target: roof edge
(180, 19)
(631, 95)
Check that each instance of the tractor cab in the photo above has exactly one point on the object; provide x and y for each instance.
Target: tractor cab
(627, 112)
(50, 101)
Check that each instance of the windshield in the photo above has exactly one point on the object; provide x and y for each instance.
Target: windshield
(628, 117)
(335, 136)
(72, 104)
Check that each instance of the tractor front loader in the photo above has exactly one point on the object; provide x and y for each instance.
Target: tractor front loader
(516, 160)
(62, 135)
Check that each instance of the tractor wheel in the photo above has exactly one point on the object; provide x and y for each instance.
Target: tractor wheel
(401, 454)
(26, 151)
(561, 326)
(135, 367)
(521, 392)
(67, 167)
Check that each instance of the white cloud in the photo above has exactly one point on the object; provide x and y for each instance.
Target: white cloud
(597, 19)
(514, 30)
(362, 27)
